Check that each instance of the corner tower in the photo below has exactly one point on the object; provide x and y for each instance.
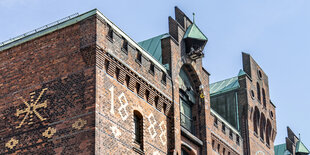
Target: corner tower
(257, 112)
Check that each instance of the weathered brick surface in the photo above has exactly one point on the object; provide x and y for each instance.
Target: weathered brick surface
(252, 141)
(46, 88)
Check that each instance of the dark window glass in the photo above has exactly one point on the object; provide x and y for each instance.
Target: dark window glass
(127, 80)
(152, 68)
(258, 91)
(106, 65)
(147, 95)
(223, 127)
(137, 88)
(125, 44)
(164, 78)
(156, 100)
(184, 152)
(226, 105)
(264, 97)
(237, 139)
(139, 57)
(215, 121)
(117, 71)
(110, 32)
(138, 128)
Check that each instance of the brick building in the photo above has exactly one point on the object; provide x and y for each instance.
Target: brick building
(82, 86)
(292, 146)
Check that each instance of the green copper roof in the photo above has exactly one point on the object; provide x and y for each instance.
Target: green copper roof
(153, 46)
(301, 148)
(280, 149)
(241, 72)
(194, 32)
(224, 86)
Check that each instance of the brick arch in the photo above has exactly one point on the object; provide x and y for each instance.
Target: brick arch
(189, 98)
(256, 119)
(264, 97)
(138, 129)
(188, 149)
(262, 126)
(191, 72)
(268, 131)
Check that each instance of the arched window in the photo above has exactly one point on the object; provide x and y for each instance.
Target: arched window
(256, 120)
(268, 132)
(186, 150)
(138, 128)
(187, 100)
(264, 97)
(262, 126)
(258, 91)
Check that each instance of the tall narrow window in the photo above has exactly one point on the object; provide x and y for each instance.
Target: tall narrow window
(230, 134)
(264, 97)
(147, 95)
(256, 120)
(125, 45)
(106, 65)
(187, 101)
(117, 71)
(110, 32)
(268, 132)
(213, 144)
(139, 57)
(224, 151)
(137, 88)
(164, 78)
(152, 68)
(258, 91)
(215, 122)
(223, 127)
(262, 126)
(127, 80)
(138, 129)
(156, 100)
(237, 139)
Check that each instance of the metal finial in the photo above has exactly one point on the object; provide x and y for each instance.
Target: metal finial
(193, 17)
(299, 137)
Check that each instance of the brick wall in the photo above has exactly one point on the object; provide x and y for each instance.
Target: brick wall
(252, 98)
(47, 94)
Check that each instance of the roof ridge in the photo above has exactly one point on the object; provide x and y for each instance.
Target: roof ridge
(224, 80)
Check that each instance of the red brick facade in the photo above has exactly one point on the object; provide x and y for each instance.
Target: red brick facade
(78, 89)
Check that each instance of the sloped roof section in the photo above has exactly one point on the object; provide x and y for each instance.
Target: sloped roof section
(194, 32)
(280, 149)
(241, 72)
(224, 86)
(153, 46)
(301, 148)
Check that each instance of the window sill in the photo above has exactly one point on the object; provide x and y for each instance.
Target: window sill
(215, 125)
(138, 150)
(138, 62)
(191, 137)
(125, 51)
(255, 134)
(110, 39)
(151, 72)
(261, 140)
(163, 82)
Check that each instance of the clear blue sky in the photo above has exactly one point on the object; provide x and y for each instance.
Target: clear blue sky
(275, 32)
